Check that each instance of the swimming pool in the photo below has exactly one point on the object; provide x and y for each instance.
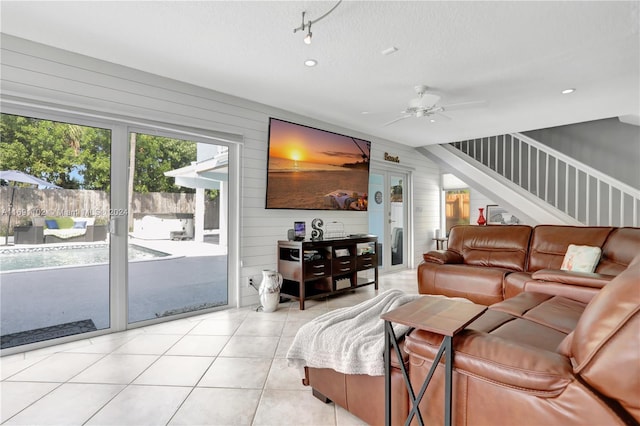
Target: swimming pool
(72, 255)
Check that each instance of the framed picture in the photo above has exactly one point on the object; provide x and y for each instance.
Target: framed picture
(299, 230)
(497, 215)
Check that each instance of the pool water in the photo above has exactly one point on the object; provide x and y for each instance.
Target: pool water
(12, 260)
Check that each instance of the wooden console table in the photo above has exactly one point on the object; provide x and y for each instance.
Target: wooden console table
(436, 315)
(312, 269)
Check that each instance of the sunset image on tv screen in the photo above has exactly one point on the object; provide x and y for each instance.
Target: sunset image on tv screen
(314, 169)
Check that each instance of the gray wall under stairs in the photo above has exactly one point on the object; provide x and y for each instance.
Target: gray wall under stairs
(608, 145)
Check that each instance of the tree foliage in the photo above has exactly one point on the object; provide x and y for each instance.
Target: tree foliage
(79, 157)
(156, 155)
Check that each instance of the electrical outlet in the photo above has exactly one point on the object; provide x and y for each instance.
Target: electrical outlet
(250, 281)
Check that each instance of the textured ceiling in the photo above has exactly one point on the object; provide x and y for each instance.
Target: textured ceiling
(516, 57)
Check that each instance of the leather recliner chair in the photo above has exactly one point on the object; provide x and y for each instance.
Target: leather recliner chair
(514, 377)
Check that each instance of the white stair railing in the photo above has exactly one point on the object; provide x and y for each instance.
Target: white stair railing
(587, 195)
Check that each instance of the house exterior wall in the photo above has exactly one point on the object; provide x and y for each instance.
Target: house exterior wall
(43, 74)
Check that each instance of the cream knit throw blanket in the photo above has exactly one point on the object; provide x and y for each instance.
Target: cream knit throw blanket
(349, 340)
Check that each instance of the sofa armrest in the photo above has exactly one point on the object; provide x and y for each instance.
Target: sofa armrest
(443, 257)
(498, 360)
(585, 279)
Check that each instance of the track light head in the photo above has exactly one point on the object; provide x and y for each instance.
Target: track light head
(307, 25)
(307, 38)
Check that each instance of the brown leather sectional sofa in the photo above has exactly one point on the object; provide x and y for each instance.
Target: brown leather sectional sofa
(539, 359)
(554, 347)
(488, 264)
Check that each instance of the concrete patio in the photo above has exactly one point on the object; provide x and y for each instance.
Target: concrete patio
(193, 277)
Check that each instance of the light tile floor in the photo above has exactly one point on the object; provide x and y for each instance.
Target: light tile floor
(220, 368)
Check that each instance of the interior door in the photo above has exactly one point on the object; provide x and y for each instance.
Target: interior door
(388, 217)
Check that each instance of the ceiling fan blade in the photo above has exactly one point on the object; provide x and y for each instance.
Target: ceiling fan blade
(396, 120)
(464, 105)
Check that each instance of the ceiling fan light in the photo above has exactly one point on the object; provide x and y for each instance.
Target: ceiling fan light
(307, 38)
(426, 100)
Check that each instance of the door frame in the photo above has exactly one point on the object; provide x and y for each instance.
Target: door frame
(120, 126)
(233, 224)
(407, 173)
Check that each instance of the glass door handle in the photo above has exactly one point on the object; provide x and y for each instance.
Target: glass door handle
(113, 226)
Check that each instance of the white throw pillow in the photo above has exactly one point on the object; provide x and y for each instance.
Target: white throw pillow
(581, 258)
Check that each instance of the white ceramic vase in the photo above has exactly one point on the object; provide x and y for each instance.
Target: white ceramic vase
(270, 290)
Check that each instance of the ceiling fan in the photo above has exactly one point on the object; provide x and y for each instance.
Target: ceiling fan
(425, 105)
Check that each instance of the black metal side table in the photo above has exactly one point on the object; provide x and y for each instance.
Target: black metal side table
(440, 242)
(436, 315)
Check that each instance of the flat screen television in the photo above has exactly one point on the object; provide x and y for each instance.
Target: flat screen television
(313, 169)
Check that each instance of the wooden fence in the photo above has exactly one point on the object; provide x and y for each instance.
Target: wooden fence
(30, 202)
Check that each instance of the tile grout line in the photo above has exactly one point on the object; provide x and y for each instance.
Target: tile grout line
(126, 386)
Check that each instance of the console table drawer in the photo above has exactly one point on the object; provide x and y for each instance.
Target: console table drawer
(367, 261)
(317, 269)
(343, 265)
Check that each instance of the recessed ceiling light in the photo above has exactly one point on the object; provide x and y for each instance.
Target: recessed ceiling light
(311, 62)
(433, 120)
(568, 91)
(364, 112)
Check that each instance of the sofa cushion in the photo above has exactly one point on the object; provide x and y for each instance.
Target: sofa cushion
(584, 279)
(580, 286)
(51, 224)
(65, 222)
(479, 284)
(489, 321)
(496, 357)
(442, 256)
(500, 381)
(522, 303)
(619, 250)
(559, 313)
(556, 312)
(529, 333)
(79, 224)
(579, 293)
(549, 243)
(493, 246)
(515, 283)
(606, 342)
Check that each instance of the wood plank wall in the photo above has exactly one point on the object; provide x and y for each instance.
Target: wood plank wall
(44, 74)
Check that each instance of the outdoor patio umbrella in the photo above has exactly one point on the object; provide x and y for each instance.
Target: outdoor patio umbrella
(18, 176)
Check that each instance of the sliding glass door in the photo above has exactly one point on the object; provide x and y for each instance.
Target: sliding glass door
(103, 228)
(177, 230)
(55, 203)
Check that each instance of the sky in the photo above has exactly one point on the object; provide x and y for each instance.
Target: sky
(300, 143)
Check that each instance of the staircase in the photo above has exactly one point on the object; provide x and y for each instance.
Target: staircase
(539, 182)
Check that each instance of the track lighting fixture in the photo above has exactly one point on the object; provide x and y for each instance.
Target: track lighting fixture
(306, 26)
(307, 39)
